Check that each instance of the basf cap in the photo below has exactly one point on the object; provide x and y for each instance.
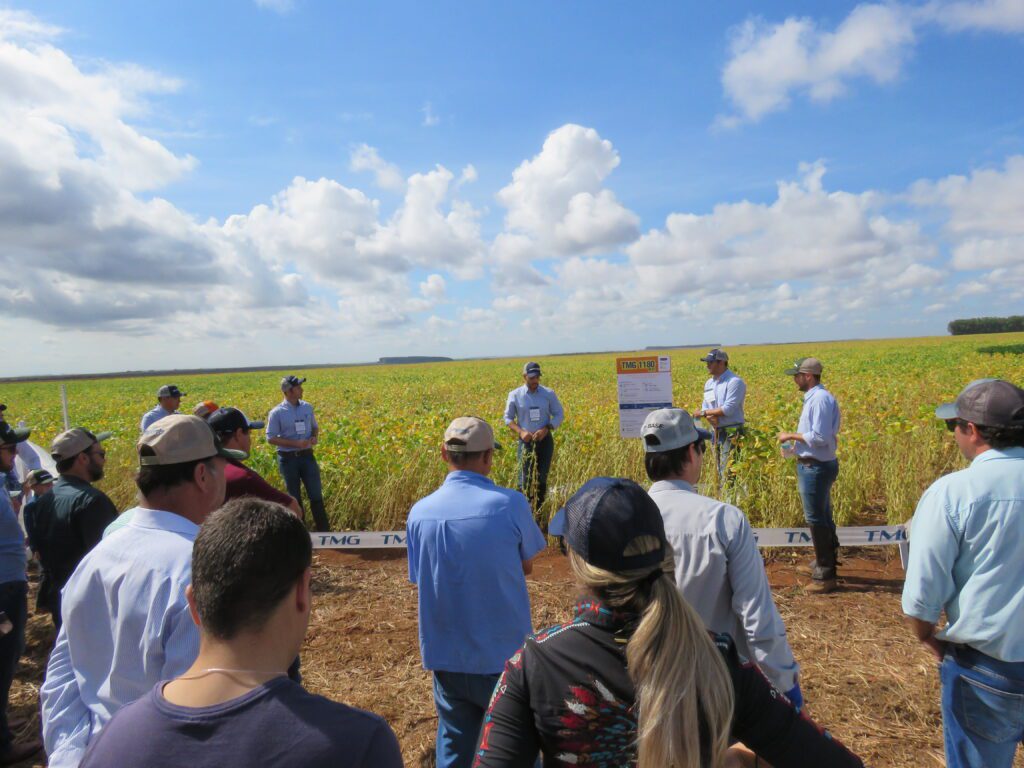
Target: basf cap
(69, 444)
(716, 354)
(669, 428)
(472, 433)
(290, 381)
(38, 477)
(169, 390)
(178, 439)
(531, 369)
(805, 365)
(230, 419)
(988, 402)
(602, 521)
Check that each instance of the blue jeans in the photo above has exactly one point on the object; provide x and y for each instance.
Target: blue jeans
(461, 700)
(302, 470)
(982, 708)
(534, 466)
(815, 482)
(13, 602)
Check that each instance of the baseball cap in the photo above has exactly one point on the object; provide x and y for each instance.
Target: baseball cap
(988, 402)
(669, 428)
(10, 435)
(178, 439)
(531, 369)
(204, 409)
(169, 390)
(604, 517)
(71, 443)
(473, 431)
(38, 476)
(805, 365)
(230, 419)
(291, 381)
(715, 354)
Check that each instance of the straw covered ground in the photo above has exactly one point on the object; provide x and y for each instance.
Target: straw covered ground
(863, 675)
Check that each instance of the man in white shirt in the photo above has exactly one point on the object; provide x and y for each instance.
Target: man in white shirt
(717, 564)
(126, 620)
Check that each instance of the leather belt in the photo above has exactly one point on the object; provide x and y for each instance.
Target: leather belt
(289, 454)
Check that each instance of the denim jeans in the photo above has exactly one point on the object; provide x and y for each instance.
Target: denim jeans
(982, 708)
(815, 482)
(302, 470)
(461, 700)
(13, 602)
(534, 465)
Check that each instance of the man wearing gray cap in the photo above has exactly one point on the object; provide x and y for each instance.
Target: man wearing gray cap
(126, 620)
(533, 412)
(718, 567)
(814, 445)
(293, 430)
(69, 521)
(722, 405)
(966, 555)
(168, 399)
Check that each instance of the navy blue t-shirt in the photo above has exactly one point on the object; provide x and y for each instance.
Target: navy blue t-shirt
(278, 723)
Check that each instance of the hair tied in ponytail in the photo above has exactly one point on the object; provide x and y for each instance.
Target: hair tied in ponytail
(652, 578)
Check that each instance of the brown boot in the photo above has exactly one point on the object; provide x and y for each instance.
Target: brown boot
(822, 586)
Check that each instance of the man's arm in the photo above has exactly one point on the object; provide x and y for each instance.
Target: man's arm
(925, 632)
(557, 412)
(274, 434)
(735, 391)
(67, 721)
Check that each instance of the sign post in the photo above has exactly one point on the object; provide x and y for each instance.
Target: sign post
(645, 385)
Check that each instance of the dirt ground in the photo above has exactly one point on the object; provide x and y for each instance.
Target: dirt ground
(863, 676)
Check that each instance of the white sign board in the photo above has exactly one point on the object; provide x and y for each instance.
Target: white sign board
(645, 385)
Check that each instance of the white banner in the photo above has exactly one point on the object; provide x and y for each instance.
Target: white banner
(645, 385)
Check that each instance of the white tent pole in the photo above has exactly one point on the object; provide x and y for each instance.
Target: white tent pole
(64, 406)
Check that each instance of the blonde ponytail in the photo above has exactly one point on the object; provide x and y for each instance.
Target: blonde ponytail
(679, 675)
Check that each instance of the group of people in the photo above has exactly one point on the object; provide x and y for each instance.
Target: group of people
(180, 621)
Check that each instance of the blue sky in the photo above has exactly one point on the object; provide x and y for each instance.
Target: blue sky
(275, 182)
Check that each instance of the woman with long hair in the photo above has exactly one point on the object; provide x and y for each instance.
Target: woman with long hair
(635, 679)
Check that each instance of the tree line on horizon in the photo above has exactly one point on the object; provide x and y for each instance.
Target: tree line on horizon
(986, 325)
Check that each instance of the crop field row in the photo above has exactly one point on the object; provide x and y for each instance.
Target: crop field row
(381, 426)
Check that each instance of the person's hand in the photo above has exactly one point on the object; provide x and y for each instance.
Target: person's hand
(540, 434)
(525, 436)
(738, 756)
(936, 646)
(306, 444)
(713, 420)
(698, 414)
(313, 440)
(785, 437)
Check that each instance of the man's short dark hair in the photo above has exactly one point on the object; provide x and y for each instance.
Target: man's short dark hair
(462, 458)
(157, 477)
(248, 556)
(1002, 437)
(665, 464)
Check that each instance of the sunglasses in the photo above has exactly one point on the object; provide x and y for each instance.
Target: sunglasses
(952, 424)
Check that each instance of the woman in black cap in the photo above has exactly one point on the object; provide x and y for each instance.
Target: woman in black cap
(635, 679)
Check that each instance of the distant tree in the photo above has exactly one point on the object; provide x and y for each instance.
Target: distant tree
(986, 325)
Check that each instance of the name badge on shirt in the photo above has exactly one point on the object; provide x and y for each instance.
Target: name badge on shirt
(535, 414)
(300, 427)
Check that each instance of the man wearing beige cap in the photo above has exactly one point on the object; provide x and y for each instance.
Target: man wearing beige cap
(69, 521)
(126, 620)
(814, 445)
(470, 543)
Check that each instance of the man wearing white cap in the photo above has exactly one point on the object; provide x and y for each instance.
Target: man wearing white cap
(293, 430)
(718, 567)
(533, 412)
(814, 444)
(126, 620)
(966, 550)
(470, 544)
(722, 405)
(69, 521)
(168, 399)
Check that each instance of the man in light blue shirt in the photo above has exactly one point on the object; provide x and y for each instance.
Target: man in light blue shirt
(293, 430)
(126, 624)
(470, 544)
(722, 406)
(814, 444)
(168, 399)
(533, 412)
(967, 560)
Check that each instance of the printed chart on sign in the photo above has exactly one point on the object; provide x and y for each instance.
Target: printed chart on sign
(645, 385)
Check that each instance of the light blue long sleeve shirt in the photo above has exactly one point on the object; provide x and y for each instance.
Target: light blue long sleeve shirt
(12, 541)
(152, 416)
(967, 555)
(727, 392)
(126, 628)
(292, 422)
(533, 410)
(819, 424)
(720, 572)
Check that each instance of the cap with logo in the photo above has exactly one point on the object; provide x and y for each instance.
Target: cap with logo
(10, 435)
(805, 365)
(204, 409)
(603, 520)
(669, 428)
(988, 402)
(291, 381)
(178, 439)
(230, 419)
(472, 433)
(169, 390)
(715, 355)
(69, 444)
(531, 369)
(38, 477)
